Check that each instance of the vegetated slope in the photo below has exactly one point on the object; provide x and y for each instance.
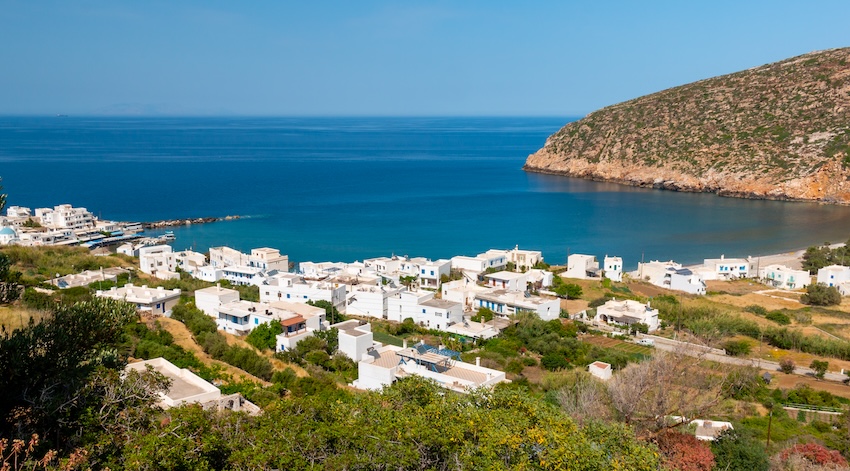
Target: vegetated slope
(779, 131)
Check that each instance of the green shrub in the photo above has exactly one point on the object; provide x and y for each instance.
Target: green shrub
(737, 347)
(821, 295)
(756, 309)
(514, 367)
(778, 317)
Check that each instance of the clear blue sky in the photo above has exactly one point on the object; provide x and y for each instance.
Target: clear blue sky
(359, 57)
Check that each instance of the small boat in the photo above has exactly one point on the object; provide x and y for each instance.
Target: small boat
(169, 235)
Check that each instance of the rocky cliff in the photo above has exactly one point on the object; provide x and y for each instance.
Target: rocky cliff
(779, 131)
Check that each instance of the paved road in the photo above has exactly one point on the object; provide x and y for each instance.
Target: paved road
(712, 354)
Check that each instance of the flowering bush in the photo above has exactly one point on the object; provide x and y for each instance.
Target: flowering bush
(817, 454)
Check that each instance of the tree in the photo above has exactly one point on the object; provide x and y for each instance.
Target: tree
(786, 365)
(820, 367)
(684, 452)
(818, 294)
(46, 366)
(645, 394)
(566, 290)
(734, 451)
(264, 336)
(10, 290)
(2, 196)
(332, 315)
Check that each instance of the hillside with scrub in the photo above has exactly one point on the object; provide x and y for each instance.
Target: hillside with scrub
(778, 131)
(69, 406)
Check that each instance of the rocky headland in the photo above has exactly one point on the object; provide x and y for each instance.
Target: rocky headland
(779, 131)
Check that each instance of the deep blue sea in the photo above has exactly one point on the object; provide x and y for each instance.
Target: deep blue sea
(345, 189)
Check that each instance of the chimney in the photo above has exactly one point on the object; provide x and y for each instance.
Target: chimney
(477, 361)
(404, 343)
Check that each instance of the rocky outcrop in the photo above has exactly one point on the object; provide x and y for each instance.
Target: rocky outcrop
(779, 131)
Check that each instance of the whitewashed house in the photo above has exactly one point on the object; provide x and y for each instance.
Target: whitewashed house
(462, 291)
(627, 313)
(210, 299)
(430, 272)
(369, 300)
(581, 267)
(154, 259)
(671, 275)
(833, 275)
(507, 303)
(495, 260)
(783, 277)
(683, 279)
(355, 338)
(381, 365)
(157, 301)
(509, 280)
(291, 287)
(728, 268)
(600, 370)
(613, 268)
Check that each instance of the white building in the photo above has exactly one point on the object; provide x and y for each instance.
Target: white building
(423, 309)
(264, 259)
(87, 277)
(670, 275)
(495, 260)
(540, 278)
(188, 388)
(369, 300)
(154, 258)
(613, 268)
(600, 370)
(240, 317)
(65, 216)
(686, 280)
(439, 314)
(462, 291)
(355, 338)
(728, 268)
(508, 280)
(782, 277)
(291, 287)
(627, 313)
(522, 260)
(581, 267)
(382, 365)
(15, 212)
(430, 272)
(158, 301)
(8, 236)
(507, 303)
(833, 275)
(210, 299)
(709, 429)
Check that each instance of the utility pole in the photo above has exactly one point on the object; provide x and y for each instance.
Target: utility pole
(769, 422)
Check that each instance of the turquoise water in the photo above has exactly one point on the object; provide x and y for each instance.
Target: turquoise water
(350, 188)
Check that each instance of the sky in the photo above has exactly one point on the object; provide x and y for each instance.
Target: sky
(385, 58)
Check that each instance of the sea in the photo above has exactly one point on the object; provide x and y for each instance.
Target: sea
(349, 188)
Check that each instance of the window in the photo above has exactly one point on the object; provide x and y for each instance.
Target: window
(432, 272)
(256, 321)
(287, 295)
(423, 310)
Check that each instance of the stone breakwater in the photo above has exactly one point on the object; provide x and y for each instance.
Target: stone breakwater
(186, 222)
